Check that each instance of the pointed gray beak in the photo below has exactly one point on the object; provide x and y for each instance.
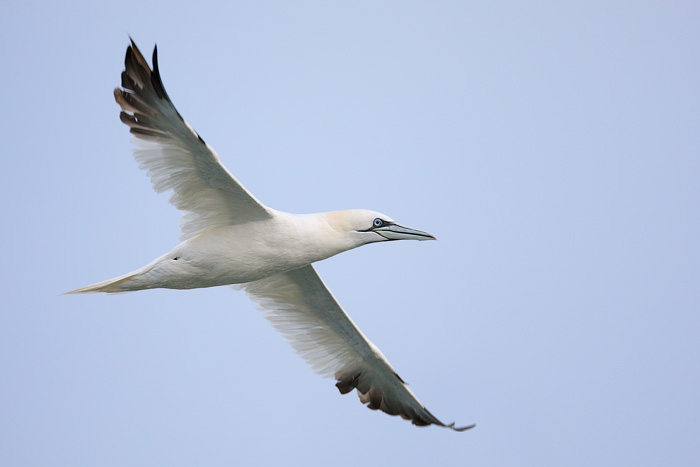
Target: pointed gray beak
(399, 232)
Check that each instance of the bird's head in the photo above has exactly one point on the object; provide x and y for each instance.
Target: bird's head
(370, 226)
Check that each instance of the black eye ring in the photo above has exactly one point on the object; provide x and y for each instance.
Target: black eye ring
(378, 222)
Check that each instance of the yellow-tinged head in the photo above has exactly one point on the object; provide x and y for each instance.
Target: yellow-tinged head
(370, 226)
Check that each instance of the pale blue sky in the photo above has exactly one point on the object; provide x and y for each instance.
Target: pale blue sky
(552, 147)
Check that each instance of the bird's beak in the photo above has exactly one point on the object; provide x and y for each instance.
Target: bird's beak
(399, 232)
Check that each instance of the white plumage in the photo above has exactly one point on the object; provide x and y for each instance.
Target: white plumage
(230, 238)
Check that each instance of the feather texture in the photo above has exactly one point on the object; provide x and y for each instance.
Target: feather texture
(299, 305)
(176, 158)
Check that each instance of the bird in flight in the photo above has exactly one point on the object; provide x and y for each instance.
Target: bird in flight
(230, 238)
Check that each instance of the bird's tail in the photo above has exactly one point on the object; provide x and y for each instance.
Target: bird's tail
(114, 285)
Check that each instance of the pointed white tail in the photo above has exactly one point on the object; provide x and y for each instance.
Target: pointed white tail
(108, 286)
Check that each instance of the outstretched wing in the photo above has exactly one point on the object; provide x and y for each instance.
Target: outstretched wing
(176, 157)
(299, 305)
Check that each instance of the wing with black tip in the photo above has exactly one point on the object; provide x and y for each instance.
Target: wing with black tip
(176, 158)
(300, 306)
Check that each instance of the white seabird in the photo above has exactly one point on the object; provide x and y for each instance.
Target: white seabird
(230, 238)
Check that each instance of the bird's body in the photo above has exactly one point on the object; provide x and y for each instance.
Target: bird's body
(230, 238)
(243, 253)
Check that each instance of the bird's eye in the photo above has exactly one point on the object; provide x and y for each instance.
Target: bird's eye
(378, 222)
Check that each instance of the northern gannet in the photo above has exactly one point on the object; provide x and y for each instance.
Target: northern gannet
(230, 238)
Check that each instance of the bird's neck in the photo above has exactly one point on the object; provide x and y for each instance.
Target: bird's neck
(317, 236)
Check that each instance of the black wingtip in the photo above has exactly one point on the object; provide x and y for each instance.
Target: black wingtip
(460, 428)
(133, 46)
(155, 76)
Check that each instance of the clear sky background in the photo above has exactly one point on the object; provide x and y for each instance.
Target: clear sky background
(552, 147)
